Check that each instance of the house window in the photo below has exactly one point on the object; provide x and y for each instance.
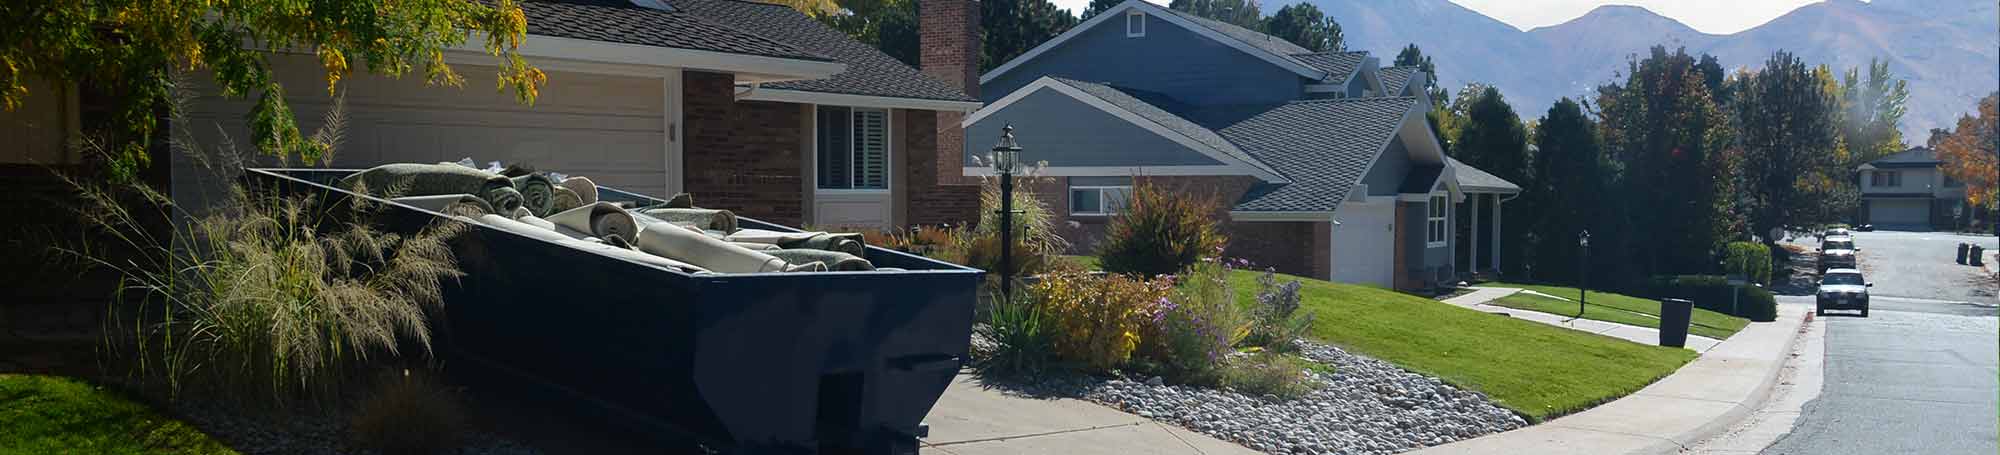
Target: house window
(852, 148)
(1887, 179)
(1435, 228)
(1135, 24)
(1098, 200)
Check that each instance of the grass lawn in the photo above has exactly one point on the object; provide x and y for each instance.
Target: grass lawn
(1622, 309)
(49, 414)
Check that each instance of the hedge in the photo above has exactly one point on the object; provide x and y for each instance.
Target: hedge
(1713, 293)
(1749, 258)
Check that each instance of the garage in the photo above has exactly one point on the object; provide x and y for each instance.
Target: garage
(1364, 244)
(601, 126)
(1911, 213)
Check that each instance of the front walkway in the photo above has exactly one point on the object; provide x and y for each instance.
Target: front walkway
(973, 419)
(1642, 335)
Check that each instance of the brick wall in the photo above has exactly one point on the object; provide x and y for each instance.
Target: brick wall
(742, 155)
(949, 32)
(1299, 248)
(930, 201)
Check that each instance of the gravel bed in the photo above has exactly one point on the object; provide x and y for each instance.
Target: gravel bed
(254, 433)
(1366, 406)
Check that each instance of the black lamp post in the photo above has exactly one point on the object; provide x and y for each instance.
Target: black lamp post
(1006, 161)
(1583, 290)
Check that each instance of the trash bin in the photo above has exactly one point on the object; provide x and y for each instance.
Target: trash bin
(1978, 256)
(1962, 247)
(1674, 316)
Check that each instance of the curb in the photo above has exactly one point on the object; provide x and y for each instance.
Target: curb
(1722, 424)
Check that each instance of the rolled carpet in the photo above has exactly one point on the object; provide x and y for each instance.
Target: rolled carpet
(598, 220)
(849, 243)
(530, 230)
(538, 193)
(446, 203)
(666, 239)
(566, 199)
(583, 187)
(706, 219)
(411, 179)
(834, 260)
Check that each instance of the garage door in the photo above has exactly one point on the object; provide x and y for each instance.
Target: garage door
(1899, 213)
(1364, 244)
(605, 127)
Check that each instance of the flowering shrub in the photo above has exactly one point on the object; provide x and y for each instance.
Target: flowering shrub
(1197, 327)
(1276, 323)
(1161, 232)
(1096, 321)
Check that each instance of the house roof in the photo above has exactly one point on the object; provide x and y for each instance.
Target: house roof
(1254, 38)
(1271, 49)
(1337, 65)
(1396, 78)
(1155, 107)
(1322, 146)
(1473, 180)
(620, 21)
(1914, 157)
(869, 71)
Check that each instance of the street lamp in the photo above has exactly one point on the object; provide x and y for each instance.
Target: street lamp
(1583, 290)
(1006, 161)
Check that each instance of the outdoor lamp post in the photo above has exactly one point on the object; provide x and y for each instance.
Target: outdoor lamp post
(1583, 289)
(1006, 161)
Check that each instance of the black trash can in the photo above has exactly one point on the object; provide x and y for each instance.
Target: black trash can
(1962, 247)
(1978, 256)
(1674, 316)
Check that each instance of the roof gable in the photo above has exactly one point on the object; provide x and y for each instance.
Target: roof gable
(1324, 147)
(1272, 50)
(1145, 109)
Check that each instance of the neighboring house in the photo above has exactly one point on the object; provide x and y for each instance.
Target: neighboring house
(1907, 191)
(749, 106)
(1323, 161)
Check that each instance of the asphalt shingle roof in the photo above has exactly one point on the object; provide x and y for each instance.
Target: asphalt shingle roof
(1156, 107)
(1914, 157)
(1472, 179)
(1322, 146)
(1395, 78)
(1278, 47)
(619, 21)
(1337, 65)
(869, 71)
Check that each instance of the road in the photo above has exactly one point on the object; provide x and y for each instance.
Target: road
(1921, 373)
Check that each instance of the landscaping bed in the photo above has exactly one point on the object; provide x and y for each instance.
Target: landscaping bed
(53, 414)
(1618, 308)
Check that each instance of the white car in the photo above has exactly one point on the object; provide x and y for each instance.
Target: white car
(1838, 252)
(1842, 289)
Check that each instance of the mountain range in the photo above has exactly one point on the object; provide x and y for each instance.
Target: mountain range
(1948, 50)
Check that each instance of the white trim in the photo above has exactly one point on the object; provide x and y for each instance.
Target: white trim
(1100, 198)
(1431, 204)
(1413, 197)
(1157, 12)
(888, 152)
(746, 67)
(868, 101)
(1241, 166)
(1141, 16)
(1253, 216)
(673, 136)
(1115, 171)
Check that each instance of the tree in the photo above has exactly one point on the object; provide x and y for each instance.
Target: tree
(1304, 25)
(1872, 112)
(1787, 130)
(1670, 173)
(1412, 56)
(1242, 13)
(1970, 156)
(813, 8)
(889, 25)
(1013, 27)
(135, 48)
(1566, 192)
(1493, 140)
(1098, 6)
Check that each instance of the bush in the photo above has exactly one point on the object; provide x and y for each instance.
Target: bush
(1160, 233)
(1267, 373)
(409, 415)
(1751, 259)
(1020, 335)
(1276, 323)
(1033, 223)
(1094, 321)
(1713, 293)
(1196, 328)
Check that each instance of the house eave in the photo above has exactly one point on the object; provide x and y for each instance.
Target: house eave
(848, 99)
(746, 68)
(1281, 216)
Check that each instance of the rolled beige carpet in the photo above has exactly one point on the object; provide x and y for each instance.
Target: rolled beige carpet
(538, 194)
(583, 187)
(757, 246)
(445, 203)
(411, 179)
(666, 239)
(849, 243)
(598, 220)
(706, 219)
(566, 199)
(681, 201)
(834, 260)
(586, 244)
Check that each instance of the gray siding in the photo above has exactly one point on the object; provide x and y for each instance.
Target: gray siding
(1053, 127)
(1357, 87)
(1387, 175)
(1430, 258)
(1169, 60)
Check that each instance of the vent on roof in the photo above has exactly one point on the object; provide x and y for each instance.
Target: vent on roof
(654, 4)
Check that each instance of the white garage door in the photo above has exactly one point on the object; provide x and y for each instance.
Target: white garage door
(1364, 244)
(1902, 213)
(605, 127)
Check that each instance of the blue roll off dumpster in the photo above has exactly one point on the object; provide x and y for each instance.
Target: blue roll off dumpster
(844, 362)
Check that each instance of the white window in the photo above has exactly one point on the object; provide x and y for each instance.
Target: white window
(1135, 24)
(1436, 230)
(1098, 200)
(852, 148)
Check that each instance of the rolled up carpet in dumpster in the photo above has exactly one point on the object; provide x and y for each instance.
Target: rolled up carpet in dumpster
(849, 243)
(602, 219)
(411, 179)
(706, 219)
(566, 199)
(446, 203)
(834, 260)
(538, 194)
(585, 189)
(505, 224)
(666, 239)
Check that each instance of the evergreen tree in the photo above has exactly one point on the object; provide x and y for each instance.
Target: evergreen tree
(1566, 192)
(1493, 140)
(1786, 124)
(1013, 27)
(1304, 25)
(1871, 109)
(1412, 56)
(1242, 13)
(889, 25)
(1098, 6)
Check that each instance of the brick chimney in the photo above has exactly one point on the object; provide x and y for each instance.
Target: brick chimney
(948, 31)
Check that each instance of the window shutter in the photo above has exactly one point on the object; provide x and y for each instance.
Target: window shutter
(871, 149)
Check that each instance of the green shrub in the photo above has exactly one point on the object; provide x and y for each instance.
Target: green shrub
(1034, 225)
(1160, 233)
(1268, 373)
(1094, 321)
(1713, 293)
(411, 415)
(1751, 259)
(1276, 323)
(1195, 329)
(1021, 336)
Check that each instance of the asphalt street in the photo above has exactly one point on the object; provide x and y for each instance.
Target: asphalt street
(1921, 374)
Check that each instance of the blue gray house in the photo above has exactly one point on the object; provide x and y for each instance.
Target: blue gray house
(1323, 161)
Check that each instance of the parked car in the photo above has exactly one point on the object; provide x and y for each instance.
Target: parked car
(1842, 289)
(1865, 228)
(1834, 231)
(1838, 252)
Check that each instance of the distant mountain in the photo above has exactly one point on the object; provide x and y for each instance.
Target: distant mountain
(1945, 48)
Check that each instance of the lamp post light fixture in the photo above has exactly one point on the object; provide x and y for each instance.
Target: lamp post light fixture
(1006, 162)
(1583, 289)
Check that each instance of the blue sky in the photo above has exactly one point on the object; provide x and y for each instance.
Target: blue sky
(1710, 16)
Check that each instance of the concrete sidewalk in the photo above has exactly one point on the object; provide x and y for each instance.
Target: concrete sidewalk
(972, 419)
(1642, 335)
(1703, 399)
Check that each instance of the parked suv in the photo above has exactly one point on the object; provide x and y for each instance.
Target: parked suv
(1842, 289)
(1838, 252)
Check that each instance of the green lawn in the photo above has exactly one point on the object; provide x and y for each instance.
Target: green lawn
(47, 414)
(1623, 309)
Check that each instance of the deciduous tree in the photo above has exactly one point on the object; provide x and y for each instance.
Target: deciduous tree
(1970, 156)
(1872, 110)
(1788, 131)
(1666, 139)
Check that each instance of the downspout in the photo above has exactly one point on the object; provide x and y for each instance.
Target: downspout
(744, 90)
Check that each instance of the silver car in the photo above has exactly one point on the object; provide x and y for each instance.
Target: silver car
(1838, 253)
(1842, 289)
